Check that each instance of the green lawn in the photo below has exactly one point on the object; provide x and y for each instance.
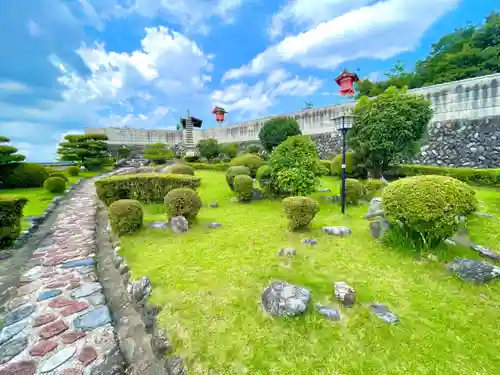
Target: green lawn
(210, 282)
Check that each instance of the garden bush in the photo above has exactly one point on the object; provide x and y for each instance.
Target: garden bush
(254, 148)
(277, 130)
(181, 169)
(300, 211)
(243, 187)
(59, 174)
(11, 212)
(125, 216)
(353, 190)
(144, 187)
(23, 175)
(294, 167)
(482, 177)
(325, 167)
(372, 188)
(182, 202)
(428, 206)
(264, 176)
(192, 158)
(74, 171)
(55, 185)
(232, 172)
(214, 166)
(251, 161)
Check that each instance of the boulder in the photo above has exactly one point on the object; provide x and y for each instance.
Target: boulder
(283, 299)
(383, 312)
(287, 252)
(179, 224)
(486, 252)
(340, 231)
(474, 270)
(330, 313)
(344, 293)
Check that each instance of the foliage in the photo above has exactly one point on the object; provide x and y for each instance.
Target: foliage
(254, 148)
(212, 167)
(73, 171)
(234, 171)
(325, 167)
(181, 169)
(251, 161)
(11, 211)
(353, 190)
(300, 211)
(144, 187)
(124, 152)
(229, 149)
(191, 158)
(125, 216)
(243, 187)
(264, 176)
(337, 164)
(59, 174)
(372, 188)
(89, 150)
(277, 130)
(23, 175)
(294, 167)
(428, 205)
(55, 185)
(389, 128)
(208, 148)
(8, 153)
(158, 153)
(183, 202)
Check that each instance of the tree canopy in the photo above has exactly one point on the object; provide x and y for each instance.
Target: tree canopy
(158, 153)
(8, 154)
(89, 150)
(208, 148)
(276, 130)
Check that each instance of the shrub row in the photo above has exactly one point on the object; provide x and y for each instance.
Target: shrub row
(11, 211)
(147, 187)
(211, 167)
(23, 175)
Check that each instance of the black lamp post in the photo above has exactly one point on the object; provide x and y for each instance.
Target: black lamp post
(343, 123)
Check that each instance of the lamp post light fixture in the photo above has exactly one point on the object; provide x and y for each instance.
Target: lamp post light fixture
(343, 123)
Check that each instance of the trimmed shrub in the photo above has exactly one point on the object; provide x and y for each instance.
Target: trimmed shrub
(243, 187)
(264, 176)
(325, 167)
(59, 174)
(482, 177)
(337, 164)
(74, 171)
(181, 169)
(23, 175)
(353, 190)
(300, 211)
(428, 206)
(277, 130)
(254, 148)
(11, 211)
(372, 188)
(232, 172)
(211, 167)
(55, 185)
(125, 216)
(144, 187)
(182, 202)
(192, 158)
(251, 161)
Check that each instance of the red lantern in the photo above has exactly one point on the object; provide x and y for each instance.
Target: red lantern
(219, 114)
(346, 82)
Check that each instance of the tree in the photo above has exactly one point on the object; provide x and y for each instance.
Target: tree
(389, 128)
(277, 130)
(208, 148)
(230, 149)
(89, 150)
(158, 153)
(124, 152)
(8, 153)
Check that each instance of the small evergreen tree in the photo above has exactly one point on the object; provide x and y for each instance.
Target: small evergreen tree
(89, 150)
(208, 148)
(158, 153)
(277, 130)
(8, 153)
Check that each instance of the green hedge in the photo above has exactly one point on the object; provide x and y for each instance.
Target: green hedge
(11, 211)
(483, 177)
(23, 175)
(211, 167)
(143, 187)
(55, 184)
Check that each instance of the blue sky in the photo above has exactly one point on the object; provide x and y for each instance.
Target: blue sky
(70, 64)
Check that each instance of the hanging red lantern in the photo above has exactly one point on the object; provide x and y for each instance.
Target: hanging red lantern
(346, 82)
(219, 114)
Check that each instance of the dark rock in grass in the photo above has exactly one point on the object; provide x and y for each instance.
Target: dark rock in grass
(256, 195)
(473, 270)
(344, 293)
(179, 224)
(334, 198)
(383, 312)
(324, 190)
(287, 252)
(214, 225)
(140, 289)
(330, 313)
(340, 231)
(234, 200)
(283, 299)
(310, 242)
(486, 251)
(379, 227)
(175, 366)
(214, 205)
(160, 344)
(159, 225)
(482, 214)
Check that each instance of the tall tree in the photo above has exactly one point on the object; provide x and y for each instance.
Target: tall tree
(8, 153)
(276, 130)
(124, 152)
(89, 150)
(158, 153)
(208, 148)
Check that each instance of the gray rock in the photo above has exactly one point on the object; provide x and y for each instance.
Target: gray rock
(310, 242)
(340, 231)
(92, 319)
(175, 366)
(214, 205)
(140, 289)
(287, 252)
(18, 314)
(179, 224)
(256, 195)
(234, 200)
(161, 344)
(328, 312)
(473, 270)
(334, 198)
(486, 251)
(214, 225)
(9, 332)
(344, 293)
(113, 364)
(379, 227)
(12, 348)
(159, 225)
(58, 359)
(86, 289)
(375, 205)
(96, 299)
(383, 312)
(283, 299)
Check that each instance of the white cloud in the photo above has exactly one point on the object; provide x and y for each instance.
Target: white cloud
(12, 86)
(378, 31)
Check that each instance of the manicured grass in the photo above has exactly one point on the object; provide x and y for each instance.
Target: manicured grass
(210, 282)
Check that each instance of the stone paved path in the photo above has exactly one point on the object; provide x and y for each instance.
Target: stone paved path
(58, 324)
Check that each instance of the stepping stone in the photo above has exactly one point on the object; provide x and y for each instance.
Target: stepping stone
(330, 313)
(474, 270)
(383, 312)
(12, 348)
(57, 359)
(18, 314)
(340, 231)
(78, 263)
(53, 329)
(93, 319)
(74, 308)
(48, 294)
(44, 319)
(71, 337)
(86, 290)
(324, 190)
(310, 242)
(482, 214)
(12, 330)
(42, 348)
(86, 270)
(485, 251)
(18, 301)
(97, 299)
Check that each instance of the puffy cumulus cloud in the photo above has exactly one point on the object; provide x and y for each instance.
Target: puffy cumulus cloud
(380, 31)
(256, 99)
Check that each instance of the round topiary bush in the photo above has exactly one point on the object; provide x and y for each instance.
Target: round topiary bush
(125, 216)
(55, 185)
(264, 176)
(353, 190)
(300, 211)
(337, 164)
(243, 187)
(181, 169)
(59, 174)
(372, 188)
(429, 205)
(183, 202)
(74, 171)
(251, 161)
(232, 172)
